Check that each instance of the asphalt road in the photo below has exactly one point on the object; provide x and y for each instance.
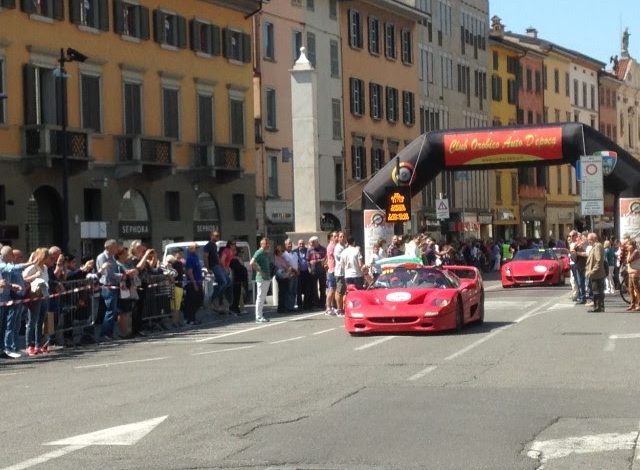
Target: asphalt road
(542, 384)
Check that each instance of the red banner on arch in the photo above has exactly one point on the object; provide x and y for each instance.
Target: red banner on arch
(502, 146)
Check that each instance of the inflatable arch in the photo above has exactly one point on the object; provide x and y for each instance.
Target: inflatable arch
(500, 147)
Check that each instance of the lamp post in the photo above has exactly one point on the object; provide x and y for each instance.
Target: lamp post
(71, 56)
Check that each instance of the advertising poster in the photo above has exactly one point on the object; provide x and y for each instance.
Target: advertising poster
(630, 217)
(375, 228)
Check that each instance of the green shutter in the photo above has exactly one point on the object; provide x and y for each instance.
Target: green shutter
(30, 96)
(74, 11)
(246, 48)
(182, 32)
(158, 33)
(103, 15)
(194, 35)
(28, 6)
(144, 23)
(353, 162)
(58, 10)
(226, 42)
(118, 17)
(216, 44)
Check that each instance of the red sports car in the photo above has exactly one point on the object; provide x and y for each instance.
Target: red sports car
(565, 256)
(535, 266)
(411, 297)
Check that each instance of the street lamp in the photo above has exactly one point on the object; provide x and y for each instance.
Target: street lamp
(71, 56)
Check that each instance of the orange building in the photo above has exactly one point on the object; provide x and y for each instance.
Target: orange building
(160, 137)
(380, 83)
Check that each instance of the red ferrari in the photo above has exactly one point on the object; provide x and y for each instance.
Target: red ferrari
(414, 298)
(536, 266)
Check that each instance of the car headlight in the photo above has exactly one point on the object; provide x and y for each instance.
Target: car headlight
(356, 315)
(507, 271)
(355, 303)
(440, 302)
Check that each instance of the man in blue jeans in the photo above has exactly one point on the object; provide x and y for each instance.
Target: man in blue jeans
(110, 281)
(212, 262)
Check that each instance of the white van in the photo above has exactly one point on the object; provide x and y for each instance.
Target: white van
(243, 248)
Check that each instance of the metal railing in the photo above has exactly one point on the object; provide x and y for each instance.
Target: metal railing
(48, 140)
(131, 148)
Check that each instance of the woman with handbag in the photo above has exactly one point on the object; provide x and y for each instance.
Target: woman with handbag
(37, 276)
(633, 269)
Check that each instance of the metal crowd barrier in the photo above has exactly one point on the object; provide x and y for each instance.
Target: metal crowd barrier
(75, 308)
(157, 295)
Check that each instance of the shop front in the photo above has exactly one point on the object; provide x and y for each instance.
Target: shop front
(533, 218)
(560, 221)
(505, 224)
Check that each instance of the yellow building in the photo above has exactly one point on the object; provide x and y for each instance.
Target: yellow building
(562, 193)
(503, 184)
(380, 82)
(160, 136)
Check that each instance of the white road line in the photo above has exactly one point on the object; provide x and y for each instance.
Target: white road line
(265, 325)
(422, 373)
(625, 336)
(44, 458)
(560, 448)
(223, 350)
(323, 331)
(108, 364)
(375, 343)
(10, 373)
(531, 313)
(611, 344)
(288, 339)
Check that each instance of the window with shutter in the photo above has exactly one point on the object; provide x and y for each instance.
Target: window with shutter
(334, 52)
(236, 45)
(237, 121)
(271, 109)
(355, 29)
(407, 47)
(390, 40)
(311, 48)
(133, 20)
(374, 35)
(171, 112)
(2, 88)
(132, 108)
(8, 3)
(205, 119)
(336, 115)
(269, 41)
(296, 43)
(91, 109)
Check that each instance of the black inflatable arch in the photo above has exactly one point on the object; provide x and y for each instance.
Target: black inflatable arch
(500, 147)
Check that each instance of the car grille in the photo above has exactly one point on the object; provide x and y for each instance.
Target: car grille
(528, 278)
(396, 320)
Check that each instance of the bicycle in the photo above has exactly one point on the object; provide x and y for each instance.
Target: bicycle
(624, 285)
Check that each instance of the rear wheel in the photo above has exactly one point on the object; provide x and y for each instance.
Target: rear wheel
(624, 292)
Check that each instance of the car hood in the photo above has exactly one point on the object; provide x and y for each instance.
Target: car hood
(528, 267)
(398, 299)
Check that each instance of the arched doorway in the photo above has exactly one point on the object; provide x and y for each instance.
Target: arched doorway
(44, 218)
(133, 216)
(206, 216)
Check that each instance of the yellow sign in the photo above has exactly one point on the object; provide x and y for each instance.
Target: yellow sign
(398, 204)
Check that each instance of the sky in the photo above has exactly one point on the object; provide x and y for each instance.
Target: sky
(592, 27)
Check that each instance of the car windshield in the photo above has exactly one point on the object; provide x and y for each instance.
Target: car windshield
(413, 278)
(534, 255)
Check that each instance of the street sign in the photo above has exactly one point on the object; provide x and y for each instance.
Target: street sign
(442, 209)
(592, 185)
(592, 207)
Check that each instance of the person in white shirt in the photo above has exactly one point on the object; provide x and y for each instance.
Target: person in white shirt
(292, 259)
(351, 261)
(341, 287)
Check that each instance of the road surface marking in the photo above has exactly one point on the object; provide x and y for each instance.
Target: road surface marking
(374, 343)
(563, 306)
(223, 350)
(539, 308)
(626, 336)
(559, 448)
(423, 372)
(126, 435)
(286, 340)
(323, 331)
(507, 304)
(265, 325)
(10, 373)
(611, 344)
(108, 364)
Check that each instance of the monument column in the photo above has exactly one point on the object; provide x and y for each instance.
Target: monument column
(304, 121)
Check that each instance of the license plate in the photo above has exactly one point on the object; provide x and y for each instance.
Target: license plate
(529, 281)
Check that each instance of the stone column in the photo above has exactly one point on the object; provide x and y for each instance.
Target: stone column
(304, 121)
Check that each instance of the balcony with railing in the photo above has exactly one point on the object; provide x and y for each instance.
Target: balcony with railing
(44, 147)
(221, 162)
(135, 154)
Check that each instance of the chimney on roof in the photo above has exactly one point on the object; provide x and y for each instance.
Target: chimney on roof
(532, 32)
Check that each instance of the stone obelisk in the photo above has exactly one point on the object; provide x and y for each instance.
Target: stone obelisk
(304, 121)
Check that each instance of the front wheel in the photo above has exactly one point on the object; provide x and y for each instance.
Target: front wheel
(624, 292)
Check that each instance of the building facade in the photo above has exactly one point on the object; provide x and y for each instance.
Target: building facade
(281, 29)
(157, 117)
(380, 83)
(453, 78)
